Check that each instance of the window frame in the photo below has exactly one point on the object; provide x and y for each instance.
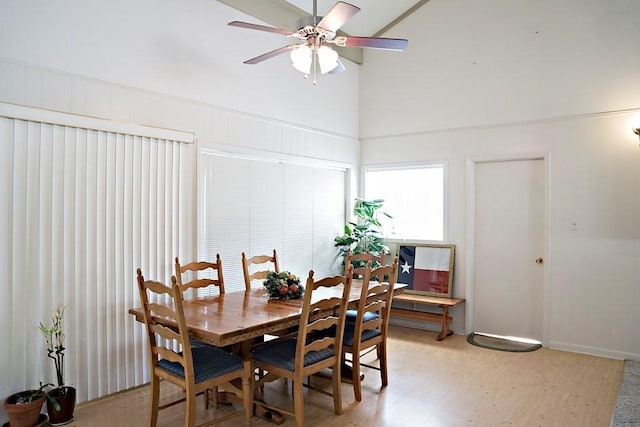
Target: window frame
(213, 149)
(415, 165)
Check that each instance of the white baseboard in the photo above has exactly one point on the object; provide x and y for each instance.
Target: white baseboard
(554, 345)
(593, 351)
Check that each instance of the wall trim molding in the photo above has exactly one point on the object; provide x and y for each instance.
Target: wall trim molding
(227, 150)
(531, 122)
(265, 119)
(41, 115)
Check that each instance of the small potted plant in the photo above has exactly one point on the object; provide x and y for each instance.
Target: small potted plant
(61, 400)
(283, 285)
(23, 408)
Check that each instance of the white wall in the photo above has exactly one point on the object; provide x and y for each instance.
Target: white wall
(180, 48)
(499, 78)
(473, 63)
(174, 65)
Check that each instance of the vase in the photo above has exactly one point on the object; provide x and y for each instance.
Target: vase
(23, 414)
(66, 397)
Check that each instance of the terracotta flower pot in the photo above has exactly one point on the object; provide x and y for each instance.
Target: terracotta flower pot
(66, 398)
(24, 414)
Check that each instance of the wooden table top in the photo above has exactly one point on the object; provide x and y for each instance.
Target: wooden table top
(236, 317)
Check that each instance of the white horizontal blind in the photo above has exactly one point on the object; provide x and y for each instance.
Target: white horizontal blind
(80, 210)
(254, 206)
(328, 220)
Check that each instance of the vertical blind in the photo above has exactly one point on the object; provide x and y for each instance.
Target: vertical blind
(80, 210)
(255, 206)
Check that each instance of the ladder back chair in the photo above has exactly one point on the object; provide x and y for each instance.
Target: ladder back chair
(257, 260)
(194, 369)
(360, 262)
(316, 347)
(369, 331)
(197, 267)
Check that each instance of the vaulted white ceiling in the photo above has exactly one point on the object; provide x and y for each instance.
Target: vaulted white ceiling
(375, 17)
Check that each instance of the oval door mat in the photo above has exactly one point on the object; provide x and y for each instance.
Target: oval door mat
(502, 344)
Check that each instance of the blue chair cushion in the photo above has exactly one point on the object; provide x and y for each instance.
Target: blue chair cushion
(196, 343)
(349, 330)
(351, 316)
(208, 362)
(282, 354)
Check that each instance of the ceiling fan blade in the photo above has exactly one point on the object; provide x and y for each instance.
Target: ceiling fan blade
(260, 28)
(340, 68)
(340, 13)
(271, 54)
(371, 42)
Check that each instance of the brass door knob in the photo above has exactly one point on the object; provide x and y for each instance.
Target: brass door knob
(539, 260)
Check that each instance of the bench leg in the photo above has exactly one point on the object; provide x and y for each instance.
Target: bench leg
(445, 331)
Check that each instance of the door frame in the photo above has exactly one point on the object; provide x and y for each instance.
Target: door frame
(470, 237)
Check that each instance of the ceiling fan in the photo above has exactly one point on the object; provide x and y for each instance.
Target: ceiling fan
(315, 33)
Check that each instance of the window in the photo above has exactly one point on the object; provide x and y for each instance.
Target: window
(413, 195)
(257, 205)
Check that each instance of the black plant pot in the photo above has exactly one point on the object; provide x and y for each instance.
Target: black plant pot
(65, 397)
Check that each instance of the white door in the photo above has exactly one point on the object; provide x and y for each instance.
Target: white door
(509, 245)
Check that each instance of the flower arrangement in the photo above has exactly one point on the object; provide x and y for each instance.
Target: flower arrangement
(54, 339)
(61, 401)
(283, 285)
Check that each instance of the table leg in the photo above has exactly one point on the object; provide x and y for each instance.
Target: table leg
(268, 414)
(445, 331)
(225, 398)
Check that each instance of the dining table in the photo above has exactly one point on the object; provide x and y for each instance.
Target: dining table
(241, 316)
(237, 318)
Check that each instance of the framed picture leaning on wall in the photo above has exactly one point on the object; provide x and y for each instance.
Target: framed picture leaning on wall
(426, 268)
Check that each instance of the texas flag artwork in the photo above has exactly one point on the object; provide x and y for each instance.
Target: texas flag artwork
(425, 268)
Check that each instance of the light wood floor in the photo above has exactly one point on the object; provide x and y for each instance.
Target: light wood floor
(447, 383)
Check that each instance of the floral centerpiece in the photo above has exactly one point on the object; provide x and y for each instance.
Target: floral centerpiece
(283, 285)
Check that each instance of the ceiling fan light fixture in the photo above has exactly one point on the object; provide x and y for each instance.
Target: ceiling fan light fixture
(309, 54)
(301, 58)
(327, 58)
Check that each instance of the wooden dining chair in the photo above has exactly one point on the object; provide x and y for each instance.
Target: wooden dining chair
(257, 260)
(316, 347)
(359, 262)
(370, 330)
(199, 270)
(194, 369)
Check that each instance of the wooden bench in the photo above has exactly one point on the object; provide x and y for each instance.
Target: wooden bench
(443, 318)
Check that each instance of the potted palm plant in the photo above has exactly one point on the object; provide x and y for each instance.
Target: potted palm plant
(365, 235)
(61, 400)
